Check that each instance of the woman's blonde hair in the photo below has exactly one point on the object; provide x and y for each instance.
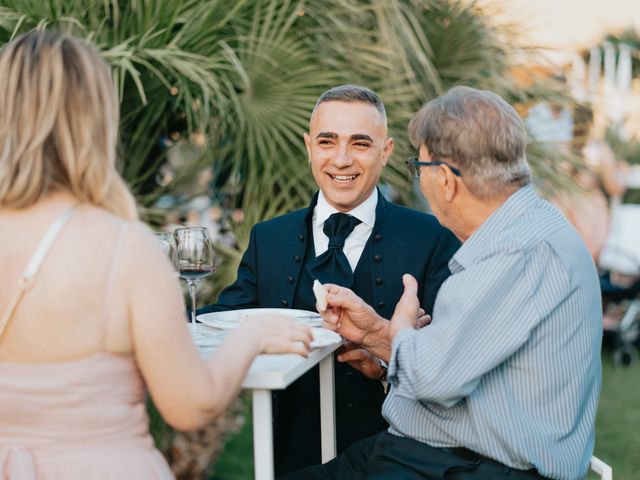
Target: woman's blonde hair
(58, 124)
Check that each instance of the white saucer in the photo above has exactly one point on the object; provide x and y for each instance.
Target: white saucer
(231, 318)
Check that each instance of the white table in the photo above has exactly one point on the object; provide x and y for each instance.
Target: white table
(276, 372)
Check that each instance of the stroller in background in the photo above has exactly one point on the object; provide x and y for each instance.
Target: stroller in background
(620, 257)
(624, 338)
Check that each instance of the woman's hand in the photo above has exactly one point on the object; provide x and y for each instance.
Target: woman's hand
(278, 334)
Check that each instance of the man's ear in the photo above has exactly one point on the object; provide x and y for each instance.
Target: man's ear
(307, 144)
(387, 150)
(449, 183)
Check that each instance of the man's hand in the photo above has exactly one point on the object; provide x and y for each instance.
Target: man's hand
(408, 313)
(361, 360)
(349, 315)
(356, 321)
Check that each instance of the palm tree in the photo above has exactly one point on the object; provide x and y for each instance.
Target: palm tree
(234, 81)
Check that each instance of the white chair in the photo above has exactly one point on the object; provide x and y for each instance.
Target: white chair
(601, 468)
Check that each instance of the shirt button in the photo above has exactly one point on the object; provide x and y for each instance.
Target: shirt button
(300, 237)
(290, 279)
(378, 237)
(377, 258)
(379, 281)
(284, 303)
(349, 405)
(296, 258)
(381, 304)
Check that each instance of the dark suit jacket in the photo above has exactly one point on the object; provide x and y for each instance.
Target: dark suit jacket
(404, 241)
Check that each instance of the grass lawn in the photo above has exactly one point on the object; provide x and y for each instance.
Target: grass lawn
(618, 422)
(617, 429)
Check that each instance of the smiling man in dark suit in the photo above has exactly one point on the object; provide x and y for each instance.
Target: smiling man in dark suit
(349, 235)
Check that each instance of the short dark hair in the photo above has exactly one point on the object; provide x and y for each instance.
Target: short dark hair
(478, 132)
(351, 93)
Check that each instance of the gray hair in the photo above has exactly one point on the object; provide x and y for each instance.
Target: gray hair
(351, 93)
(480, 133)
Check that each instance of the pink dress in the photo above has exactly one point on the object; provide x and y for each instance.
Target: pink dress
(81, 419)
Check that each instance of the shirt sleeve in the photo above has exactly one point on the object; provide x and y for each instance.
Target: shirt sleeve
(438, 269)
(482, 316)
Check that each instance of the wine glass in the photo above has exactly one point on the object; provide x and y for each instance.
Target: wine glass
(196, 259)
(168, 245)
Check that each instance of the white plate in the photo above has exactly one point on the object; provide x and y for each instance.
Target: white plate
(231, 318)
(323, 338)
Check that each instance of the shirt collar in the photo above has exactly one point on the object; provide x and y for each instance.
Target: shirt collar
(365, 212)
(520, 202)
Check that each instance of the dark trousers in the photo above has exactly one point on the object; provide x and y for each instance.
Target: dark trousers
(389, 457)
(358, 403)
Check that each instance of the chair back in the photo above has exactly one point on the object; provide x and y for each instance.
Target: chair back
(598, 466)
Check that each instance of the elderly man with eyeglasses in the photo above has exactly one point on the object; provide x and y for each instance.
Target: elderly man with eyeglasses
(504, 382)
(349, 235)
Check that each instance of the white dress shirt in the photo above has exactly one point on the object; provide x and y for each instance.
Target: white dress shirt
(355, 242)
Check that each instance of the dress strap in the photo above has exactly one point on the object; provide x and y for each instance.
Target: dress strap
(28, 277)
(115, 262)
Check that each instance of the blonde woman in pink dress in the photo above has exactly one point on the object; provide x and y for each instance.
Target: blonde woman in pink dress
(91, 314)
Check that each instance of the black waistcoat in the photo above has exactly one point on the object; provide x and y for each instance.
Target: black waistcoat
(358, 399)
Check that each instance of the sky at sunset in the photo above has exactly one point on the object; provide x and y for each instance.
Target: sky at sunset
(569, 24)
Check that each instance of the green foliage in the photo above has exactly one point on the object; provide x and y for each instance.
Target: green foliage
(236, 80)
(617, 438)
(629, 151)
(625, 149)
(236, 461)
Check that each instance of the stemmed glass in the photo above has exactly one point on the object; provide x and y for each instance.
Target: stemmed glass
(196, 259)
(168, 245)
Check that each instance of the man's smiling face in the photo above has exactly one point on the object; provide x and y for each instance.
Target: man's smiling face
(347, 146)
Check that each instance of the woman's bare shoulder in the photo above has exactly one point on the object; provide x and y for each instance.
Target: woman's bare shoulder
(99, 218)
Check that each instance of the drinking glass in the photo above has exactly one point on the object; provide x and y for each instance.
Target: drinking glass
(196, 259)
(168, 245)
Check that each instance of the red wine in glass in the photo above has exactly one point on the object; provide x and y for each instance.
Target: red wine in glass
(196, 259)
(195, 272)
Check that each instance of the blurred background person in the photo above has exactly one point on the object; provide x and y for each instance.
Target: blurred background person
(599, 184)
(97, 313)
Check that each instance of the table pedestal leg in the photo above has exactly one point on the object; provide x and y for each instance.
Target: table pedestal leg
(262, 435)
(327, 409)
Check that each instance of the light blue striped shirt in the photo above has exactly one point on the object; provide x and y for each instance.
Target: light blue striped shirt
(510, 365)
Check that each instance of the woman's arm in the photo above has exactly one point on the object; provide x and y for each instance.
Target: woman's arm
(189, 391)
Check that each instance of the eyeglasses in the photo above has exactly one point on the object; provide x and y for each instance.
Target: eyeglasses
(413, 165)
